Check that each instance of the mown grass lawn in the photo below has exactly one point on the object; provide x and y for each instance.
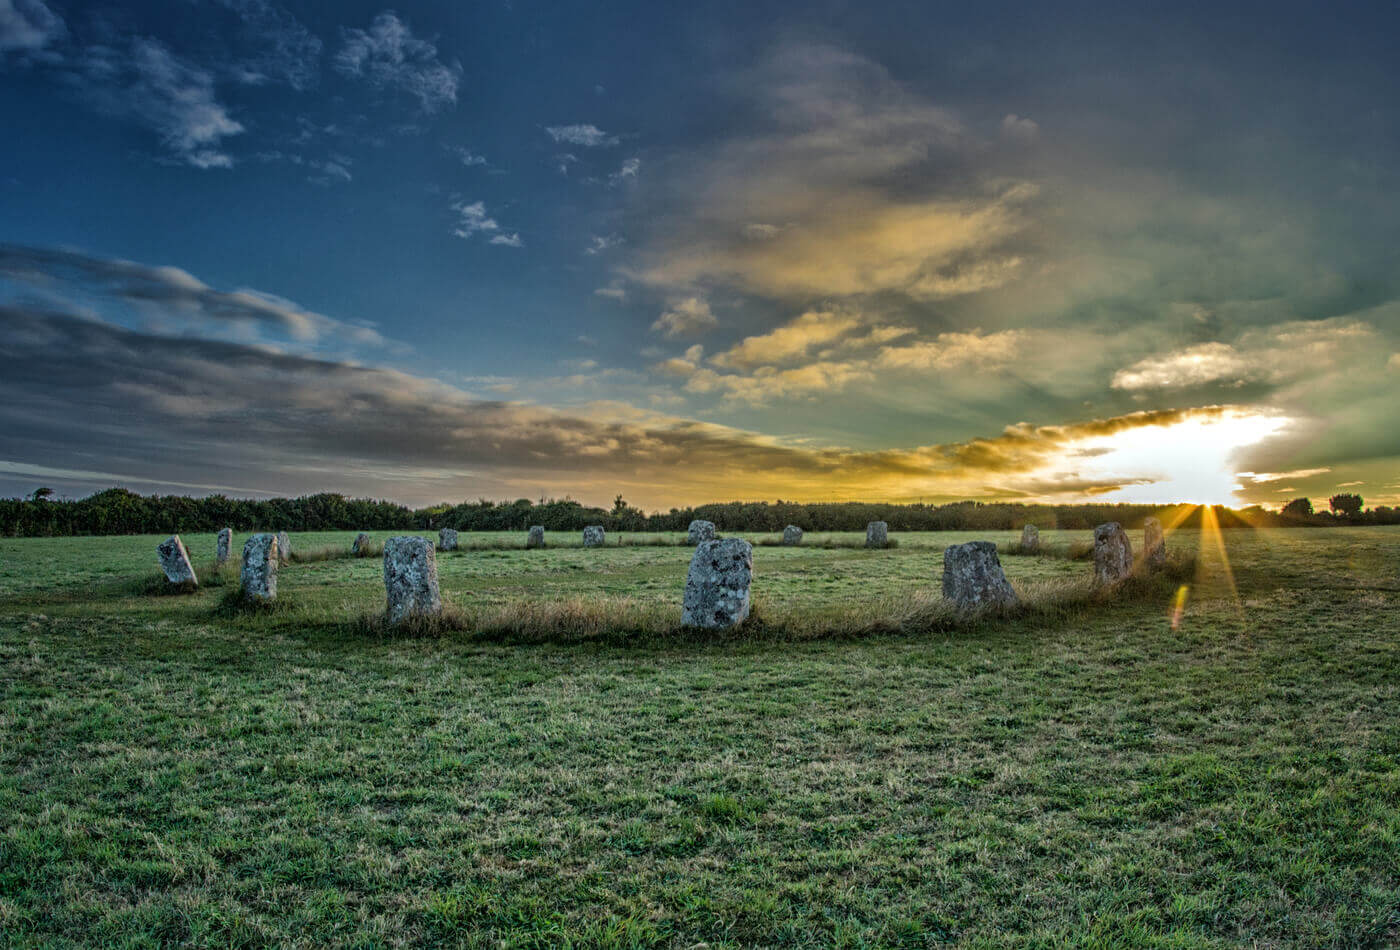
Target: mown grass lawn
(171, 772)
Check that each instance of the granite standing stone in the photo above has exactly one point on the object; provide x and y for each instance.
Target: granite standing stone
(410, 578)
(1153, 543)
(361, 540)
(284, 547)
(593, 536)
(535, 539)
(972, 576)
(259, 574)
(1113, 553)
(223, 547)
(700, 531)
(175, 561)
(447, 539)
(792, 535)
(877, 534)
(1030, 539)
(717, 587)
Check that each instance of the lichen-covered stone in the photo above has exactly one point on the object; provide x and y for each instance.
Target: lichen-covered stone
(284, 547)
(223, 546)
(717, 587)
(1030, 539)
(259, 573)
(700, 531)
(535, 539)
(792, 535)
(1113, 554)
(361, 540)
(1154, 544)
(410, 578)
(973, 578)
(593, 536)
(877, 534)
(447, 539)
(175, 561)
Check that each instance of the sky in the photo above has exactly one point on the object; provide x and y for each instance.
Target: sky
(697, 252)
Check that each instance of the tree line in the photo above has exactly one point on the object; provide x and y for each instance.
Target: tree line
(118, 511)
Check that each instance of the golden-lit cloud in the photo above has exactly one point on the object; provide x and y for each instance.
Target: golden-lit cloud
(686, 316)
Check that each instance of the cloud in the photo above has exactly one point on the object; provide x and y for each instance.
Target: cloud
(174, 299)
(685, 317)
(586, 135)
(598, 244)
(389, 56)
(28, 26)
(957, 349)
(1020, 128)
(789, 341)
(1262, 477)
(472, 220)
(286, 51)
(186, 407)
(612, 292)
(628, 171)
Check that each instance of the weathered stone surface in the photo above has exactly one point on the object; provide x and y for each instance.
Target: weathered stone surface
(410, 578)
(361, 540)
(717, 587)
(1030, 539)
(1154, 544)
(223, 547)
(175, 561)
(877, 534)
(593, 536)
(259, 573)
(447, 539)
(284, 547)
(700, 531)
(972, 576)
(792, 535)
(1113, 553)
(535, 539)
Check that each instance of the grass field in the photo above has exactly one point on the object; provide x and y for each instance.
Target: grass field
(1085, 773)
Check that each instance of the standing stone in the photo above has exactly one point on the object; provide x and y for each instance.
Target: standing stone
(284, 547)
(700, 531)
(361, 540)
(535, 539)
(224, 546)
(792, 535)
(175, 561)
(717, 587)
(1030, 539)
(447, 539)
(972, 576)
(1153, 543)
(877, 534)
(410, 578)
(593, 536)
(1113, 553)
(259, 574)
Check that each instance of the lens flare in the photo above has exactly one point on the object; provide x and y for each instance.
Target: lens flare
(1179, 605)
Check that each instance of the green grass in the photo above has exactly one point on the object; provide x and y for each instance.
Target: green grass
(1081, 774)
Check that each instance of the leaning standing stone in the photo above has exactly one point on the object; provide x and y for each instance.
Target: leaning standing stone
(1113, 553)
(792, 534)
(877, 534)
(700, 531)
(259, 575)
(284, 547)
(535, 539)
(447, 539)
(593, 536)
(972, 576)
(224, 546)
(1153, 543)
(361, 540)
(717, 587)
(175, 561)
(1030, 539)
(410, 578)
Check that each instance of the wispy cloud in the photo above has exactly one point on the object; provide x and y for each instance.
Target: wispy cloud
(389, 56)
(472, 219)
(283, 50)
(28, 26)
(466, 156)
(685, 316)
(584, 134)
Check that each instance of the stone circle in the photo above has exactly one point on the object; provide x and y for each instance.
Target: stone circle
(593, 536)
(877, 534)
(535, 539)
(973, 578)
(175, 561)
(792, 535)
(410, 578)
(1113, 554)
(700, 531)
(259, 572)
(717, 586)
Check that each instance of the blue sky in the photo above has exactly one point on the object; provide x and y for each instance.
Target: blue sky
(701, 251)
